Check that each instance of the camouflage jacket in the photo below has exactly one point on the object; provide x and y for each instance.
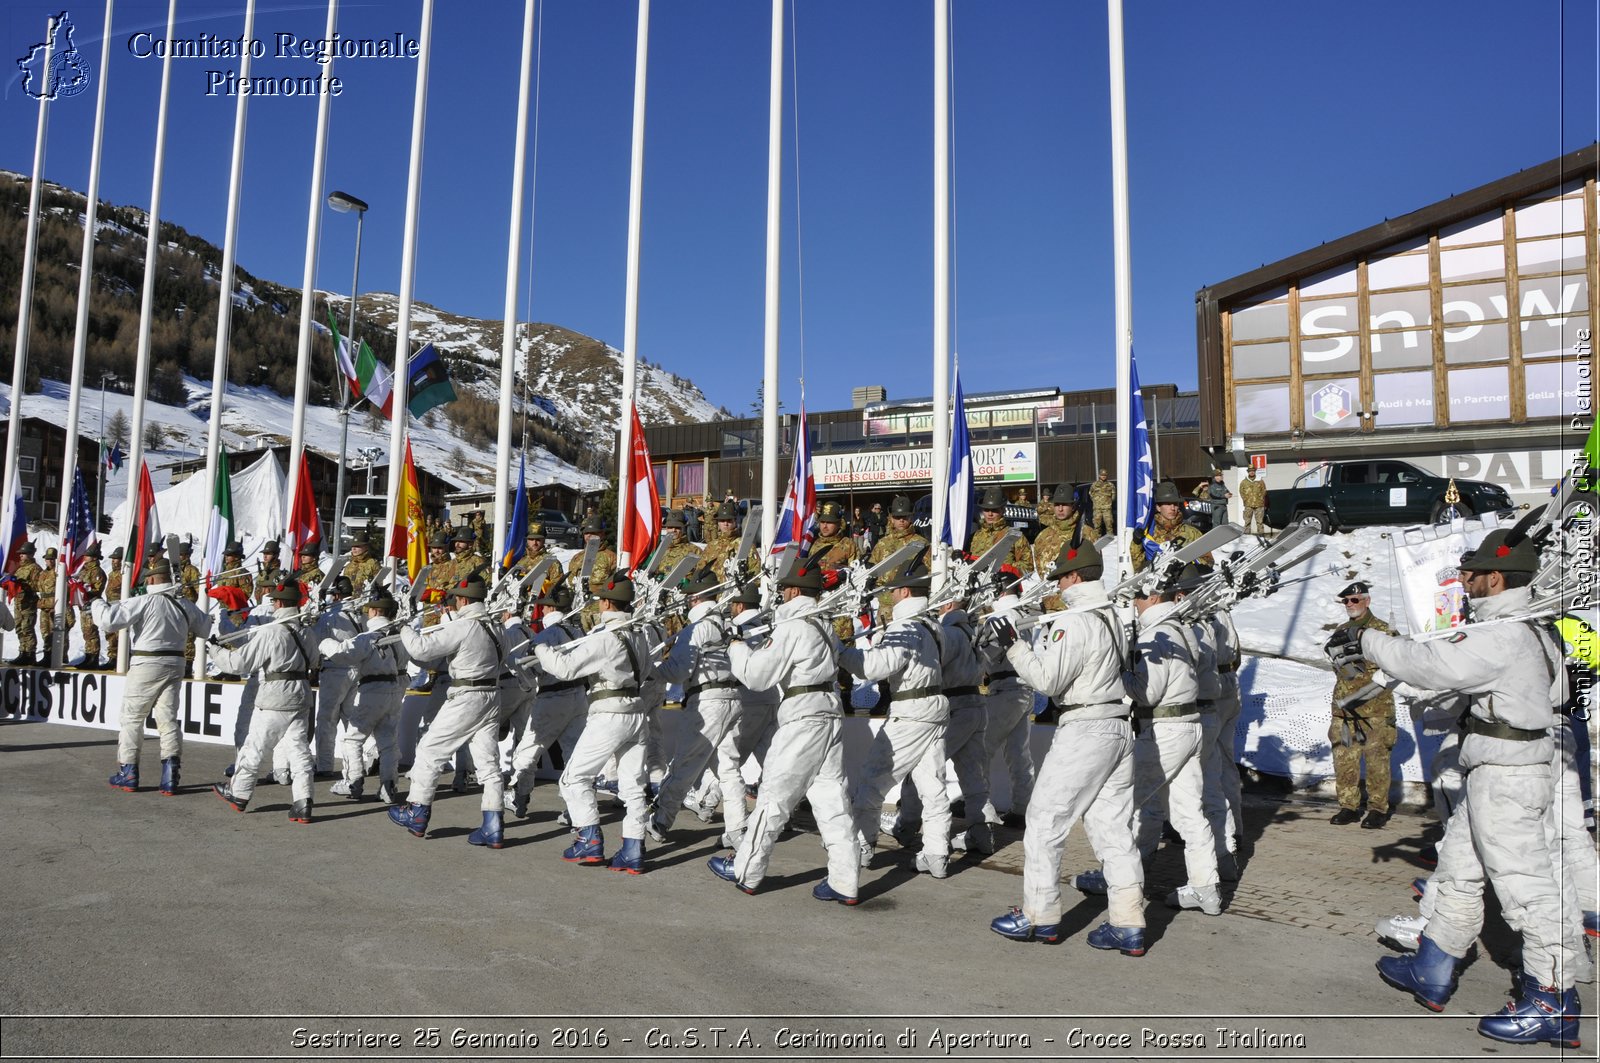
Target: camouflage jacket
(1380, 707)
(1103, 493)
(989, 534)
(1253, 493)
(835, 552)
(113, 590)
(1047, 547)
(27, 578)
(93, 578)
(886, 546)
(1177, 532)
(361, 572)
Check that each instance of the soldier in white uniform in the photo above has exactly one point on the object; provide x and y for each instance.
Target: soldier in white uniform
(699, 662)
(613, 659)
(159, 622)
(751, 735)
(336, 684)
(468, 645)
(806, 758)
(1227, 808)
(379, 661)
(286, 656)
(1088, 773)
(1008, 708)
(1513, 672)
(560, 707)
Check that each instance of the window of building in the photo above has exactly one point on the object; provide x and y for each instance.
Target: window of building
(1403, 399)
(1262, 408)
(691, 479)
(1480, 394)
(27, 463)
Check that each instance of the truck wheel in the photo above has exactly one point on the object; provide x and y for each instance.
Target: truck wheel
(1463, 510)
(1315, 518)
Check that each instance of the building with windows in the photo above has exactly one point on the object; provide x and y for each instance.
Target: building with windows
(1457, 337)
(1025, 441)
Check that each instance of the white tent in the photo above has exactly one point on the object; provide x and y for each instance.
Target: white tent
(185, 508)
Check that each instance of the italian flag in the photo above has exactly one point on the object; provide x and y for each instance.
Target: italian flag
(367, 376)
(220, 532)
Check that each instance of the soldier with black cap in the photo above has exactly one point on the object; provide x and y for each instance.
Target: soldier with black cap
(26, 609)
(605, 562)
(907, 656)
(1363, 721)
(533, 553)
(899, 534)
(560, 708)
(308, 568)
(1510, 667)
(380, 663)
(471, 646)
(269, 572)
(722, 543)
(830, 551)
(362, 566)
(992, 527)
(806, 758)
(676, 544)
(1168, 530)
(614, 660)
(113, 593)
(1088, 773)
(285, 655)
(45, 584)
(157, 621)
(1066, 526)
(93, 578)
(467, 561)
(698, 661)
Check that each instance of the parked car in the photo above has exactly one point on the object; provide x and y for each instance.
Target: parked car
(366, 514)
(559, 528)
(1344, 494)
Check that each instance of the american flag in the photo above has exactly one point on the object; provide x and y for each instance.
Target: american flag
(797, 523)
(80, 534)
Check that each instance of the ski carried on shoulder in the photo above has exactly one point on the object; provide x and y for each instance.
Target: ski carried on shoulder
(1254, 575)
(1169, 563)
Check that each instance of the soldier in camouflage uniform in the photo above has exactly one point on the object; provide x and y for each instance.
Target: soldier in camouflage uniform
(531, 556)
(1046, 512)
(1067, 525)
(362, 566)
(899, 533)
(437, 583)
(605, 562)
(1253, 497)
(25, 605)
(830, 551)
(1167, 527)
(992, 527)
(1103, 496)
(113, 593)
(676, 545)
(482, 534)
(236, 576)
(467, 560)
(270, 572)
(45, 586)
(308, 569)
(93, 578)
(1364, 729)
(723, 543)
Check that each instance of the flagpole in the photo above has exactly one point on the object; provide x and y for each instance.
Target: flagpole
(508, 336)
(408, 274)
(80, 344)
(769, 378)
(630, 326)
(1123, 269)
(141, 372)
(100, 488)
(302, 374)
(941, 277)
(19, 371)
(230, 258)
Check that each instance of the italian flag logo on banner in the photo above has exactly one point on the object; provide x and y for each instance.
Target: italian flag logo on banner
(220, 532)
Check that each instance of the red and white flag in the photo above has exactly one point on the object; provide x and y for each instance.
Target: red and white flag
(146, 529)
(641, 505)
(304, 524)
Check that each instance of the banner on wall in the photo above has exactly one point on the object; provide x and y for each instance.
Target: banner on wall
(1430, 581)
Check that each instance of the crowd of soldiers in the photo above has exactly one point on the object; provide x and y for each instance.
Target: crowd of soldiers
(1144, 735)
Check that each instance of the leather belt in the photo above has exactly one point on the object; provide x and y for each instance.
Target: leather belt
(809, 688)
(993, 676)
(1226, 669)
(1089, 705)
(1205, 705)
(958, 692)
(917, 692)
(507, 675)
(157, 653)
(387, 678)
(556, 688)
(1162, 712)
(286, 677)
(715, 684)
(476, 684)
(1495, 729)
(602, 693)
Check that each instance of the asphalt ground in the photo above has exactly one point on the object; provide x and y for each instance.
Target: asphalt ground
(141, 926)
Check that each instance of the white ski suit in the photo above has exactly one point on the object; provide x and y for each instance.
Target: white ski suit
(286, 656)
(159, 622)
(699, 662)
(468, 644)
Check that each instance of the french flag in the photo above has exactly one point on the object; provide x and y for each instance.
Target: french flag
(797, 522)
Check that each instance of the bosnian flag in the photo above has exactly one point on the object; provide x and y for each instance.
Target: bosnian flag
(1141, 494)
(959, 498)
(16, 530)
(641, 505)
(797, 521)
(146, 530)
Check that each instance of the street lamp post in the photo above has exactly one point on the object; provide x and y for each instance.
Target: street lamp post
(344, 203)
(371, 455)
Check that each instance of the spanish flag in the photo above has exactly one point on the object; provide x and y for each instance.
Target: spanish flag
(409, 537)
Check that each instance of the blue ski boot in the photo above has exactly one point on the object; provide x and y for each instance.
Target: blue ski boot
(413, 818)
(722, 867)
(1018, 927)
(629, 858)
(169, 776)
(1128, 940)
(491, 834)
(824, 892)
(1429, 974)
(126, 778)
(1544, 1013)
(224, 791)
(589, 848)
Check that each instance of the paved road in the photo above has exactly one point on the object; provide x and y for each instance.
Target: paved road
(126, 905)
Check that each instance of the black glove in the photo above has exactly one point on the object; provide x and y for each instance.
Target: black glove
(214, 642)
(1344, 650)
(1001, 630)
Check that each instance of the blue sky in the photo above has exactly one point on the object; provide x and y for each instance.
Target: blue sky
(1256, 130)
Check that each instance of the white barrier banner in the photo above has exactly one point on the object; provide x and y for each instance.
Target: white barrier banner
(1430, 581)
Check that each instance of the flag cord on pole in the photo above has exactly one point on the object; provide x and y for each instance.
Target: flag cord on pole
(799, 243)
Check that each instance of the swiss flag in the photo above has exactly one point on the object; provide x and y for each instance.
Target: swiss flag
(641, 505)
